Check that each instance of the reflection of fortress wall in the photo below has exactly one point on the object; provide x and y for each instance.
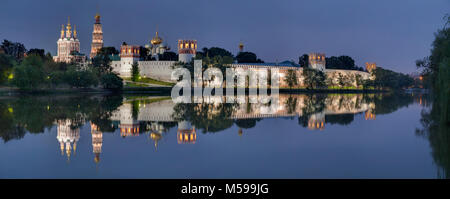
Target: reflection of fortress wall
(345, 104)
(162, 111)
(157, 111)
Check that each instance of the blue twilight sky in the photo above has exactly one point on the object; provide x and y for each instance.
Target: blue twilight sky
(392, 33)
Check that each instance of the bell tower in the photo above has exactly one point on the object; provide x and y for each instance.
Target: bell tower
(97, 37)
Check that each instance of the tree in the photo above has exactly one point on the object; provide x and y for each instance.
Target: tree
(342, 62)
(168, 56)
(303, 60)
(143, 53)
(38, 52)
(111, 81)
(29, 74)
(313, 78)
(135, 72)
(102, 64)
(248, 57)
(6, 65)
(81, 79)
(358, 80)
(16, 50)
(215, 51)
(291, 78)
(109, 50)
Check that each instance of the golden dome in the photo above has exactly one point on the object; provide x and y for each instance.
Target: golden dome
(156, 40)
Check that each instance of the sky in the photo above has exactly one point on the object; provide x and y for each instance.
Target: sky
(392, 33)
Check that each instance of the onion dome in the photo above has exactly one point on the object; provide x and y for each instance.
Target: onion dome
(97, 18)
(156, 40)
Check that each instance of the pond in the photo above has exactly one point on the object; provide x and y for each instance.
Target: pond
(138, 136)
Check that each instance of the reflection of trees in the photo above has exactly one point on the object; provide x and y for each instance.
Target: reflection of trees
(313, 103)
(9, 129)
(291, 104)
(247, 123)
(205, 116)
(436, 128)
(343, 119)
(35, 114)
(390, 102)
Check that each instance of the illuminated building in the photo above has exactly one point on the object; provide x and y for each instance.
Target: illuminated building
(186, 133)
(67, 137)
(97, 142)
(317, 61)
(97, 37)
(129, 54)
(69, 46)
(157, 47)
(186, 50)
(370, 66)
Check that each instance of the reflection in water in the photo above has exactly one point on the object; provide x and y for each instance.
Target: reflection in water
(436, 128)
(153, 116)
(67, 137)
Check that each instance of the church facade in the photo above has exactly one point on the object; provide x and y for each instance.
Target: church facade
(68, 46)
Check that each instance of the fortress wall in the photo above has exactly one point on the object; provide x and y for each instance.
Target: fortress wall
(159, 70)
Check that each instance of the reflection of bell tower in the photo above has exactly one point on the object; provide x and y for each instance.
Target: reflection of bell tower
(67, 137)
(186, 133)
(317, 121)
(369, 115)
(97, 142)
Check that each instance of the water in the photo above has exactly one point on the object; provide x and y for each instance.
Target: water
(301, 136)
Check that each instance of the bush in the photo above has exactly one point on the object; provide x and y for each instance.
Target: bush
(29, 74)
(80, 79)
(111, 81)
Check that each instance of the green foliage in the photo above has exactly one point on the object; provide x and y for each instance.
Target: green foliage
(111, 81)
(6, 66)
(291, 78)
(38, 52)
(102, 64)
(16, 50)
(303, 60)
(135, 72)
(313, 79)
(248, 57)
(80, 79)
(168, 56)
(29, 74)
(342, 62)
(109, 50)
(387, 79)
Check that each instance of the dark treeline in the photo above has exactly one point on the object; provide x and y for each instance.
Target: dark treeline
(436, 119)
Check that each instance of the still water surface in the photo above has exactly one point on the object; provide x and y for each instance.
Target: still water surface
(301, 136)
